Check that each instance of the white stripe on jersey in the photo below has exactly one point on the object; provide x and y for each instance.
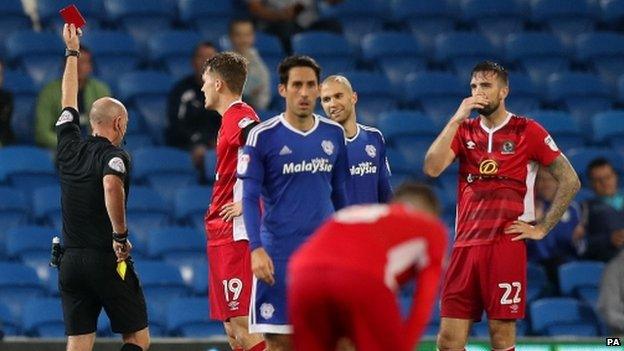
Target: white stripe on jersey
(252, 139)
(374, 130)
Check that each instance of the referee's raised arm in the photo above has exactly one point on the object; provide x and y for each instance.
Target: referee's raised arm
(69, 89)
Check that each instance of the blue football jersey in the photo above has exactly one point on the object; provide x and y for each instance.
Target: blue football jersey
(298, 172)
(370, 173)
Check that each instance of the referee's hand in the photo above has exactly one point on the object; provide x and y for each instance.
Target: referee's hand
(262, 266)
(122, 251)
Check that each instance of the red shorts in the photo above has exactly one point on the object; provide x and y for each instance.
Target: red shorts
(327, 303)
(488, 277)
(229, 280)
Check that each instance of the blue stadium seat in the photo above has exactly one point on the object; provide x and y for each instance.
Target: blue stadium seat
(566, 19)
(12, 18)
(561, 126)
(494, 19)
(165, 177)
(10, 326)
(524, 95)
(269, 47)
(434, 322)
(189, 317)
(408, 129)
(576, 275)
(331, 51)
(537, 282)
(40, 54)
(399, 165)
(604, 51)
(146, 210)
(148, 91)
(539, 54)
(161, 283)
(140, 18)
(210, 165)
(583, 94)
(14, 211)
(114, 53)
(438, 93)
(357, 17)
(581, 157)
(612, 12)
(24, 93)
(18, 283)
(47, 205)
(375, 95)
(173, 50)
(43, 317)
(425, 18)
(396, 54)
(157, 319)
(26, 167)
(560, 316)
(211, 21)
(176, 243)
(30, 242)
(199, 283)
(608, 127)
(52, 282)
(191, 204)
(48, 10)
(462, 50)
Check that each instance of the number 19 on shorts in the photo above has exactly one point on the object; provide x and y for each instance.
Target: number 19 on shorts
(232, 289)
(511, 293)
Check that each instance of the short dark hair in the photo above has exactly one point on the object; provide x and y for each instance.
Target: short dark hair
(416, 189)
(597, 163)
(236, 21)
(491, 66)
(297, 61)
(202, 44)
(232, 67)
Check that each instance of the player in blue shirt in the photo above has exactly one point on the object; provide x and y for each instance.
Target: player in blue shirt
(298, 162)
(366, 148)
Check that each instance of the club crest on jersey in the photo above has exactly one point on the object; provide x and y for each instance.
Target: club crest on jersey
(117, 164)
(470, 145)
(371, 150)
(508, 147)
(488, 167)
(328, 147)
(242, 164)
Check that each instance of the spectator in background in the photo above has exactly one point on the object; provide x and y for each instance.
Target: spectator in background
(611, 298)
(191, 126)
(49, 101)
(605, 219)
(6, 111)
(257, 87)
(560, 245)
(284, 18)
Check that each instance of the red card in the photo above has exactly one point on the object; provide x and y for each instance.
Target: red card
(71, 15)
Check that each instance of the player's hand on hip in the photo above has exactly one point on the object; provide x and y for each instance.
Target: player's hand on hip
(122, 250)
(70, 36)
(467, 105)
(526, 231)
(262, 266)
(231, 210)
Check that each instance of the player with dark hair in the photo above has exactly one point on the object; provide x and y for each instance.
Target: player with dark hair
(297, 162)
(366, 148)
(499, 154)
(342, 282)
(228, 249)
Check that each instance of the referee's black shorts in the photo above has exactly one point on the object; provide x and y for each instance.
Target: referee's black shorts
(88, 281)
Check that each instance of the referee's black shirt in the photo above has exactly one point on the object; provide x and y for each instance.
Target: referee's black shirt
(82, 165)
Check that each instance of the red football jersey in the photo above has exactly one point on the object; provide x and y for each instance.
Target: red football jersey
(497, 170)
(227, 188)
(389, 242)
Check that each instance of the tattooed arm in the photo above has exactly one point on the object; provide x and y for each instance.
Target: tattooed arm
(568, 186)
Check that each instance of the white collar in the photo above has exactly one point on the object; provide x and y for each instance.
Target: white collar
(282, 118)
(357, 133)
(492, 130)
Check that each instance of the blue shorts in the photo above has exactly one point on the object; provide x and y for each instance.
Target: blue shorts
(267, 313)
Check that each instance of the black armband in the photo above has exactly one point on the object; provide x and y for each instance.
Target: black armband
(121, 237)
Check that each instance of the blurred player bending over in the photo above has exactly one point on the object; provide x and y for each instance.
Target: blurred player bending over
(298, 162)
(228, 249)
(342, 283)
(499, 154)
(366, 147)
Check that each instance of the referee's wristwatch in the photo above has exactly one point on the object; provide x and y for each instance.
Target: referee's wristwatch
(70, 52)
(121, 237)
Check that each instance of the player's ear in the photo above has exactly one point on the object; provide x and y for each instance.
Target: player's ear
(281, 88)
(354, 98)
(504, 92)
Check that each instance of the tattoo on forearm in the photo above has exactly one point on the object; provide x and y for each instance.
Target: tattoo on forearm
(568, 187)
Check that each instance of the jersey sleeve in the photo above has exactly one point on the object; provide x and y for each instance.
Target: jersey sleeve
(67, 127)
(340, 174)
(542, 147)
(235, 129)
(250, 169)
(384, 187)
(456, 143)
(116, 163)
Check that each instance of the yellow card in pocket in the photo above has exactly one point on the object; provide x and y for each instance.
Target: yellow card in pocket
(121, 269)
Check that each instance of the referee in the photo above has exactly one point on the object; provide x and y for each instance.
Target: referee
(94, 183)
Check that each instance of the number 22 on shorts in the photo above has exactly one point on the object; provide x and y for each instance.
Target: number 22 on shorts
(509, 288)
